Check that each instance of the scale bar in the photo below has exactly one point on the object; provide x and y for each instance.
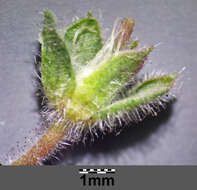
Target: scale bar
(97, 171)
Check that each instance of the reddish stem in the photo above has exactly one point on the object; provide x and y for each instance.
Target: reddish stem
(43, 147)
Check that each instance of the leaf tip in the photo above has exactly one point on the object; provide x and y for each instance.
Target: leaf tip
(150, 49)
(174, 76)
(49, 18)
(90, 15)
(130, 20)
(47, 13)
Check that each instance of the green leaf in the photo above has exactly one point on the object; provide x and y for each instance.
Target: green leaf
(83, 40)
(144, 93)
(99, 87)
(57, 75)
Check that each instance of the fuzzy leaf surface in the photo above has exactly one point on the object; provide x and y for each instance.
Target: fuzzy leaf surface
(83, 40)
(144, 93)
(57, 74)
(99, 87)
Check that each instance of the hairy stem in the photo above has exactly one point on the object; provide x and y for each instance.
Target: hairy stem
(43, 147)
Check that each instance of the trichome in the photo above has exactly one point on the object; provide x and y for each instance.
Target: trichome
(91, 86)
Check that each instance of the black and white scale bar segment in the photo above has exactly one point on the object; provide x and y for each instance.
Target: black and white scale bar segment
(97, 171)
